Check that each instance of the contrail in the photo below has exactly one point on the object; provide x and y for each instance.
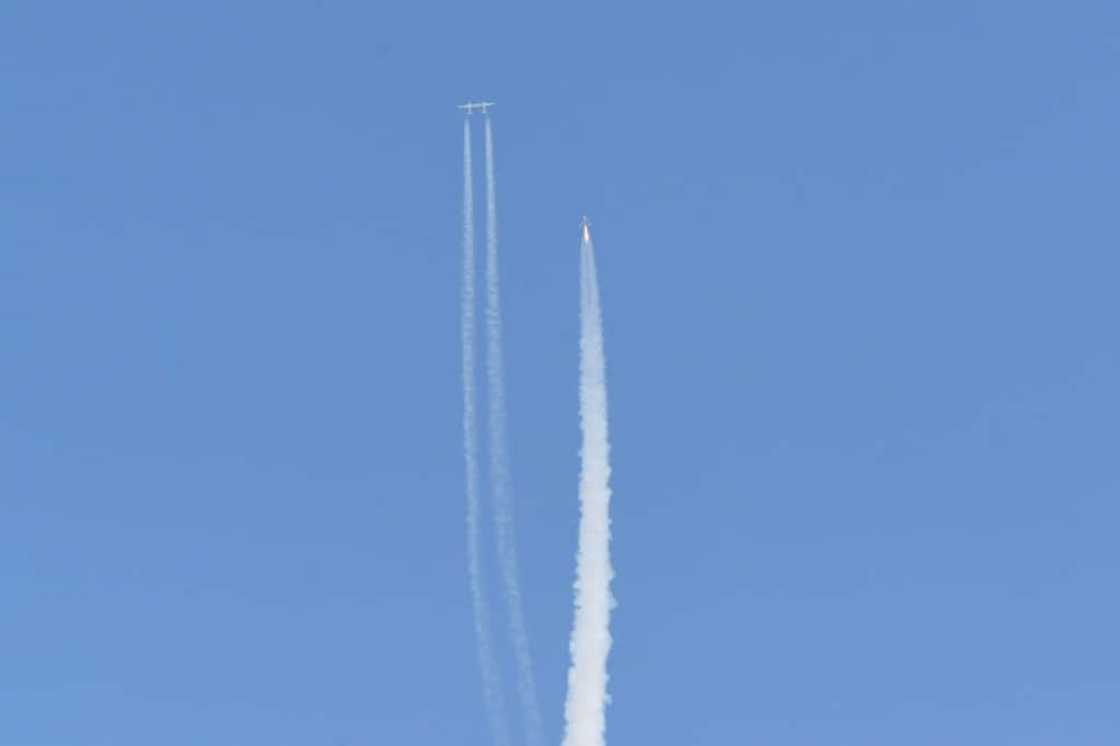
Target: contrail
(499, 466)
(491, 680)
(585, 710)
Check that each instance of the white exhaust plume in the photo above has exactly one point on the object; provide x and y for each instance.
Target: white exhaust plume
(585, 710)
(499, 466)
(491, 680)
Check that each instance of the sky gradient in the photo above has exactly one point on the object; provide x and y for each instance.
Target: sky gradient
(858, 268)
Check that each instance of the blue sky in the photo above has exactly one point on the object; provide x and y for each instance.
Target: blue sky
(858, 266)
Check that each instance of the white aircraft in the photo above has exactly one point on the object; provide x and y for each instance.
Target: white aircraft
(585, 224)
(471, 106)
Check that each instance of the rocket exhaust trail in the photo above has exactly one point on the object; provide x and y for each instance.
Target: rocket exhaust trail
(499, 466)
(585, 709)
(491, 680)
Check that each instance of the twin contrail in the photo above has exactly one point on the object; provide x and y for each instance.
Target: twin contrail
(500, 478)
(491, 680)
(585, 710)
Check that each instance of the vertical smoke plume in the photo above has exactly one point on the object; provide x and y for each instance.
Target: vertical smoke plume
(585, 710)
(491, 681)
(499, 466)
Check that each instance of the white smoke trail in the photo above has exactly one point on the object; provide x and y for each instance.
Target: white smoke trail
(491, 680)
(585, 710)
(499, 466)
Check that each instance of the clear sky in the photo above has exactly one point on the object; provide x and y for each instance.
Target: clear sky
(858, 264)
